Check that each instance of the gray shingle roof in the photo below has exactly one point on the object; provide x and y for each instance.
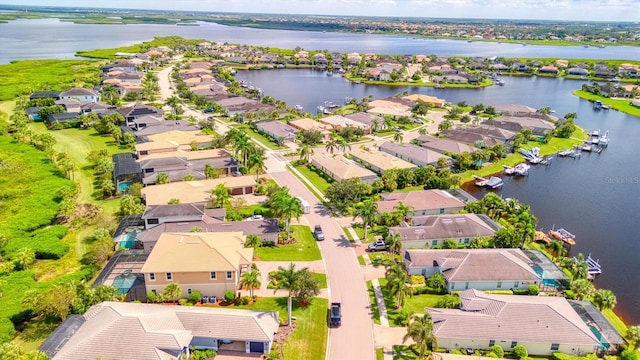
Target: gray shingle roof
(450, 226)
(158, 211)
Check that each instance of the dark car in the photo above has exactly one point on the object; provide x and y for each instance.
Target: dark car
(317, 233)
(208, 111)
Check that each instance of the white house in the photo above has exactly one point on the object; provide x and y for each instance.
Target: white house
(80, 94)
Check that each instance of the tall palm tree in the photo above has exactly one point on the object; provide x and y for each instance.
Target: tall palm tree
(343, 145)
(368, 212)
(173, 102)
(221, 195)
(398, 285)
(332, 145)
(256, 162)
(286, 207)
(604, 299)
(285, 278)
(420, 330)
(250, 280)
(395, 245)
(306, 151)
(557, 248)
(398, 137)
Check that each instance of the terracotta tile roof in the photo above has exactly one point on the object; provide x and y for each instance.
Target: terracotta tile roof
(380, 159)
(420, 200)
(192, 191)
(339, 167)
(198, 252)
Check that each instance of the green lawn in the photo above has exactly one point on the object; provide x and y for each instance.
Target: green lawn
(316, 179)
(379, 354)
(374, 304)
(617, 323)
(266, 141)
(623, 105)
(322, 279)
(413, 305)
(309, 339)
(305, 248)
(376, 230)
(307, 183)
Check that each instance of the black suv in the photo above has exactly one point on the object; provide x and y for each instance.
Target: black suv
(317, 233)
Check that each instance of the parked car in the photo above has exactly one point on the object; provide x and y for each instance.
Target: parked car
(236, 173)
(397, 128)
(255, 218)
(335, 314)
(208, 111)
(317, 233)
(379, 245)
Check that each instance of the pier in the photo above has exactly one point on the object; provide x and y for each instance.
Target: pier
(594, 267)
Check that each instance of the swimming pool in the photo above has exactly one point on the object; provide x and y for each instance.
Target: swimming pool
(128, 238)
(124, 186)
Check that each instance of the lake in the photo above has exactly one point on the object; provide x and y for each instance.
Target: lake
(596, 197)
(53, 39)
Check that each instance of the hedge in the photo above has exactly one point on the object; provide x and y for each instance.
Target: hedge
(562, 356)
(7, 330)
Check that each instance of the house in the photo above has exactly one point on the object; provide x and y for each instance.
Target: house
(113, 330)
(548, 69)
(378, 161)
(266, 229)
(183, 138)
(193, 164)
(414, 154)
(125, 170)
(576, 71)
(516, 124)
(480, 269)
(155, 215)
(308, 124)
(429, 100)
(277, 130)
(542, 324)
(479, 136)
(96, 107)
(445, 146)
(45, 95)
(373, 121)
(434, 230)
(70, 105)
(153, 147)
(426, 202)
(135, 111)
(514, 109)
(210, 263)
(196, 191)
(339, 122)
(340, 168)
(61, 118)
(80, 94)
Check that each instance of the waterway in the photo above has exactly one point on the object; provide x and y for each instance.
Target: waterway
(596, 197)
(53, 39)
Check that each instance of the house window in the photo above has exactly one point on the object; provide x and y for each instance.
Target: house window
(152, 277)
(213, 275)
(144, 152)
(499, 285)
(154, 291)
(229, 275)
(466, 285)
(555, 347)
(441, 211)
(169, 276)
(148, 170)
(491, 343)
(153, 221)
(466, 240)
(188, 291)
(515, 284)
(513, 344)
(434, 243)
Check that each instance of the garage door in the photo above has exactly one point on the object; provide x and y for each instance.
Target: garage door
(256, 347)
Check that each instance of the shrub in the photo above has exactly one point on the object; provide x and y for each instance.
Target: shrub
(229, 296)
(629, 354)
(533, 289)
(491, 355)
(6, 330)
(417, 280)
(195, 296)
(403, 318)
(497, 349)
(520, 352)
(245, 300)
(183, 301)
(457, 352)
(152, 297)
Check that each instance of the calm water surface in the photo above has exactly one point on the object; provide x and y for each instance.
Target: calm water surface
(51, 39)
(596, 197)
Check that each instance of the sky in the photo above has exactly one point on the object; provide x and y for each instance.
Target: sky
(592, 10)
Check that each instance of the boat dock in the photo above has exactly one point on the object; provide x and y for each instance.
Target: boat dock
(563, 235)
(493, 182)
(594, 267)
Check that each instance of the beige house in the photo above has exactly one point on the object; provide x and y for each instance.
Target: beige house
(379, 161)
(188, 154)
(309, 124)
(429, 100)
(210, 263)
(181, 137)
(196, 191)
(340, 122)
(156, 147)
(425, 202)
(119, 330)
(340, 168)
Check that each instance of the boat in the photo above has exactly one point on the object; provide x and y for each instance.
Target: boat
(521, 169)
(509, 170)
(566, 152)
(597, 105)
(498, 81)
(546, 160)
(563, 235)
(299, 109)
(493, 182)
(586, 148)
(604, 139)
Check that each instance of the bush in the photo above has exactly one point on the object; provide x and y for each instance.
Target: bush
(229, 296)
(403, 318)
(520, 352)
(533, 289)
(497, 349)
(6, 330)
(245, 300)
(152, 297)
(520, 292)
(629, 354)
(417, 280)
(203, 354)
(195, 296)
(183, 301)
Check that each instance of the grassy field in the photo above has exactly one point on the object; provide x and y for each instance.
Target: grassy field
(309, 340)
(26, 76)
(623, 105)
(318, 181)
(304, 249)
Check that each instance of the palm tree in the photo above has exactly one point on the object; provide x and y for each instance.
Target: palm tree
(397, 285)
(221, 195)
(24, 258)
(420, 330)
(394, 243)
(305, 152)
(404, 210)
(398, 137)
(557, 248)
(375, 124)
(368, 212)
(256, 162)
(582, 288)
(285, 278)
(343, 145)
(332, 145)
(604, 299)
(250, 280)
(286, 207)
(174, 103)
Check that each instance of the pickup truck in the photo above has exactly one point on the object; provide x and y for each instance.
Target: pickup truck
(379, 245)
(334, 315)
